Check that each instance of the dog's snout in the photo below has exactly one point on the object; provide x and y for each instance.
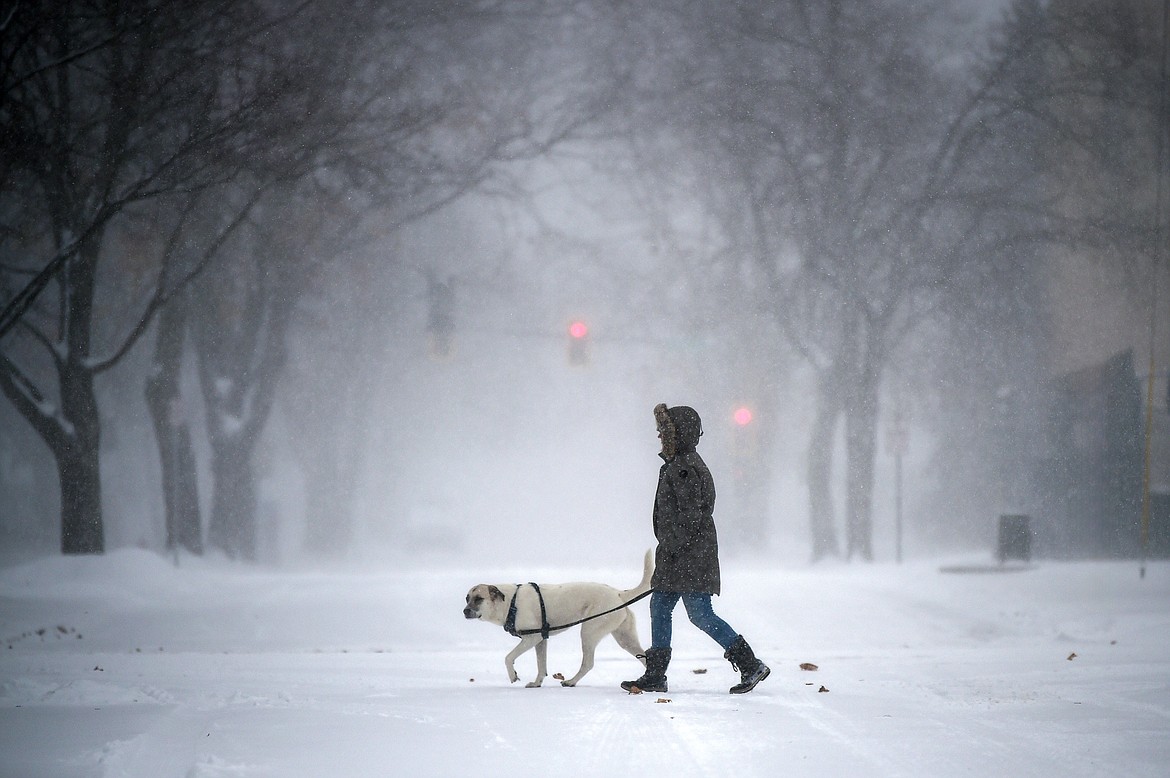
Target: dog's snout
(468, 613)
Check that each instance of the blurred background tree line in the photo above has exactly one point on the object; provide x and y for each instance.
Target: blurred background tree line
(207, 214)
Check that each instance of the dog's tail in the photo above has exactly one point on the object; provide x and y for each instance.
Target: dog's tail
(644, 584)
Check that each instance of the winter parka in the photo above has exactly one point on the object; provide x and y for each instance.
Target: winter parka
(687, 557)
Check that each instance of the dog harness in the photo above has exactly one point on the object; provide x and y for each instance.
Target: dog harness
(545, 629)
(510, 621)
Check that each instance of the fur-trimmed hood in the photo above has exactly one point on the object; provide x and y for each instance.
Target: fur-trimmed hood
(687, 557)
(680, 428)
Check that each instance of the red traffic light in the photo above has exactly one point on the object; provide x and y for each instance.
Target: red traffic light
(742, 416)
(578, 343)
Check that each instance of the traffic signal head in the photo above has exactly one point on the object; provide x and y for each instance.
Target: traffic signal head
(578, 343)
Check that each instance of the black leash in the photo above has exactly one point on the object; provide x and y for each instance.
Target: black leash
(545, 629)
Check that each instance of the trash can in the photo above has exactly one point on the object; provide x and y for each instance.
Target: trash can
(1015, 538)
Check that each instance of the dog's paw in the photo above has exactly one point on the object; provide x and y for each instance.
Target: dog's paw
(567, 683)
(532, 685)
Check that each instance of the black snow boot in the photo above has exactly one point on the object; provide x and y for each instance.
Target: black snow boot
(654, 679)
(751, 670)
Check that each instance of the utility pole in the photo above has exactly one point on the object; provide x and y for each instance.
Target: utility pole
(1158, 250)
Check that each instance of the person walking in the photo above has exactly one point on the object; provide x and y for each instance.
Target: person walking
(686, 561)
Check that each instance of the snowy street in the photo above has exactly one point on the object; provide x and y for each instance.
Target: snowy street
(213, 670)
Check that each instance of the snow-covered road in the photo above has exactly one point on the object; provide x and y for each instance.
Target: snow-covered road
(211, 669)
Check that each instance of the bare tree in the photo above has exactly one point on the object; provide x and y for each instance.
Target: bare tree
(1099, 102)
(347, 121)
(106, 107)
(845, 145)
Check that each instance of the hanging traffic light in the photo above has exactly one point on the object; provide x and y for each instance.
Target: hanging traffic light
(747, 435)
(747, 495)
(578, 343)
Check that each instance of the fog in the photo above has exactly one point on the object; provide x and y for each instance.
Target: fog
(501, 447)
(329, 318)
(507, 448)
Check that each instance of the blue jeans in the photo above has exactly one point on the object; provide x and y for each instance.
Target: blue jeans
(698, 610)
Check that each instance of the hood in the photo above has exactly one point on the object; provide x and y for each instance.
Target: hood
(680, 426)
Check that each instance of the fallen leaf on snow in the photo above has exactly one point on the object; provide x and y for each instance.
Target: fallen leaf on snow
(699, 671)
(635, 690)
(559, 676)
(662, 699)
(809, 666)
(822, 690)
(1072, 656)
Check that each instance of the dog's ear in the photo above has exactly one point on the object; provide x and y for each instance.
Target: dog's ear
(496, 593)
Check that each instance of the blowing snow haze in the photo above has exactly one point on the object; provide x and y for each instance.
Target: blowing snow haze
(313, 316)
(291, 286)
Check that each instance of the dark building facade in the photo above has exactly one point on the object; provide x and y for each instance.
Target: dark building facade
(1090, 482)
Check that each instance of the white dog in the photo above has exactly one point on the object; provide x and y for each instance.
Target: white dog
(519, 608)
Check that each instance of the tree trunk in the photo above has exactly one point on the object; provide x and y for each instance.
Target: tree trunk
(232, 528)
(861, 446)
(82, 531)
(239, 368)
(78, 448)
(73, 435)
(820, 468)
(173, 433)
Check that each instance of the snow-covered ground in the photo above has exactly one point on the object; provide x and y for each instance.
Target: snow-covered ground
(125, 665)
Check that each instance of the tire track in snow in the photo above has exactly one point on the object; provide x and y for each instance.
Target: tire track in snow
(842, 734)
